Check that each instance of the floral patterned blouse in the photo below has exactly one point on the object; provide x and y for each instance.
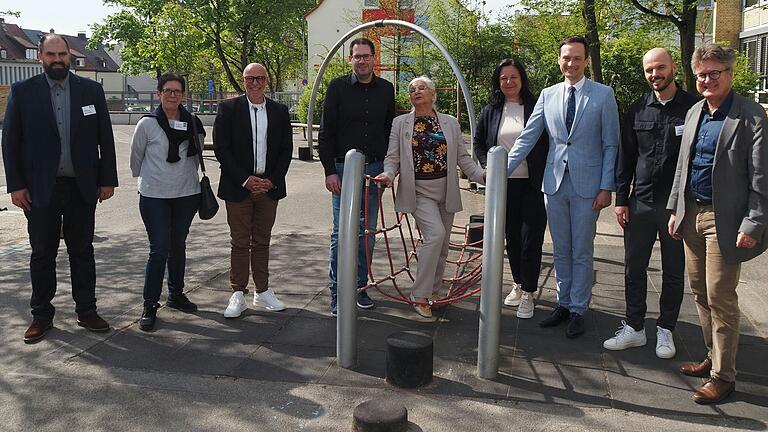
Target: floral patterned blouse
(429, 149)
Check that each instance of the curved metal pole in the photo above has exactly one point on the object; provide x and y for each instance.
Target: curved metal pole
(493, 263)
(349, 231)
(382, 23)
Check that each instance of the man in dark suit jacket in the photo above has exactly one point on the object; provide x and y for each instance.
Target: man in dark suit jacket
(719, 209)
(59, 156)
(253, 140)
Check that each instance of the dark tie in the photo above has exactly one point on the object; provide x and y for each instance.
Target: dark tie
(570, 109)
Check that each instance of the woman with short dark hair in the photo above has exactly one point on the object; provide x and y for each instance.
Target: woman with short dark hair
(164, 157)
(501, 122)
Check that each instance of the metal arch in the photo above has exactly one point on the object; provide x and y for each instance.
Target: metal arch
(382, 23)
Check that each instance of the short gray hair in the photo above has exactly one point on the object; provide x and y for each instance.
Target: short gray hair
(428, 82)
(724, 55)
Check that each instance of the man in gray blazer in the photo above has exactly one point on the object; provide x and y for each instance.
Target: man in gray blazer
(718, 204)
(582, 121)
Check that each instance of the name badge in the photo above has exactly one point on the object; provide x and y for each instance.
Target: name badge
(89, 110)
(679, 130)
(179, 125)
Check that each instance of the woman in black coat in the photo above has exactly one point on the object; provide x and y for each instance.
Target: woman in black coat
(501, 122)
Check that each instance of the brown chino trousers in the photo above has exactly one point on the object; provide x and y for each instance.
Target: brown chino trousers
(250, 226)
(713, 282)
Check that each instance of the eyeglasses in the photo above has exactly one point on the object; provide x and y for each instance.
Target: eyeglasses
(172, 92)
(362, 57)
(713, 75)
(259, 79)
(419, 88)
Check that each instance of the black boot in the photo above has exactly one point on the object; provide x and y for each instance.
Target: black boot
(148, 318)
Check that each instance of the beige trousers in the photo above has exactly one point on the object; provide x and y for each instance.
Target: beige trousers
(713, 282)
(435, 224)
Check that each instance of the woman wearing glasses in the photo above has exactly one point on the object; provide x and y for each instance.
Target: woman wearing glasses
(425, 147)
(164, 157)
(501, 122)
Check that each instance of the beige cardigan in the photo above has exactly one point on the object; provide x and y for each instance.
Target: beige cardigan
(400, 159)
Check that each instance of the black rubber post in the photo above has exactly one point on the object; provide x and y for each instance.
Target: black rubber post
(409, 359)
(305, 153)
(380, 415)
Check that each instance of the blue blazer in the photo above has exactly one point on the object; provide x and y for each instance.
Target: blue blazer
(590, 148)
(31, 145)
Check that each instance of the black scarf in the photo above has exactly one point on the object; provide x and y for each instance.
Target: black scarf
(176, 137)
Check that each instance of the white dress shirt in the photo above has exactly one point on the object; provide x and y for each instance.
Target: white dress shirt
(579, 85)
(259, 133)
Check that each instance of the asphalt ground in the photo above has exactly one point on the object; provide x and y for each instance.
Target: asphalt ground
(277, 371)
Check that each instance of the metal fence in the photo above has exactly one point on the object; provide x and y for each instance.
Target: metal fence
(195, 102)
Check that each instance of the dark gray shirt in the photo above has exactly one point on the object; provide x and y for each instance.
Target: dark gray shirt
(60, 102)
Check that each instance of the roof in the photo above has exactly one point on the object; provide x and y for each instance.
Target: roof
(95, 60)
(14, 42)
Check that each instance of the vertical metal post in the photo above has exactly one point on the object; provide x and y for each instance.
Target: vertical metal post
(493, 262)
(349, 230)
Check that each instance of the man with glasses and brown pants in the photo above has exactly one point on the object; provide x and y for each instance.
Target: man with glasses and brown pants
(718, 203)
(357, 114)
(253, 141)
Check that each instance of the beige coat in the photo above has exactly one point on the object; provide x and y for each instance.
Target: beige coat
(400, 159)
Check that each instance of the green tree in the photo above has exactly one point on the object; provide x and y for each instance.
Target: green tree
(745, 79)
(337, 67)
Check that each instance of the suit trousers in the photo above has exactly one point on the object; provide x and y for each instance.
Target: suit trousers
(435, 224)
(250, 226)
(572, 224)
(713, 282)
(44, 225)
(646, 221)
(525, 227)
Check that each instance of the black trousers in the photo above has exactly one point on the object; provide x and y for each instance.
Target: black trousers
(646, 221)
(526, 223)
(44, 226)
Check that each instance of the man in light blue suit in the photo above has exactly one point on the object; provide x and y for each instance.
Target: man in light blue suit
(581, 118)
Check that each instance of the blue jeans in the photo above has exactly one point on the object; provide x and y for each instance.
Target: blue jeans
(372, 169)
(167, 222)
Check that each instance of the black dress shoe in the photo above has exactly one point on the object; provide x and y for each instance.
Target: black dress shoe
(148, 318)
(93, 322)
(560, 314)
(575, 326)
(182, 303)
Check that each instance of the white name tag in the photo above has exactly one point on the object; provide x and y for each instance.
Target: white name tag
(679, 130)
(179, 125)
(89, 110)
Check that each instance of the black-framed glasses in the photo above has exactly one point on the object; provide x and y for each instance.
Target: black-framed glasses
(259, 79)
(172, 92)
(362, 57)
(713, 75)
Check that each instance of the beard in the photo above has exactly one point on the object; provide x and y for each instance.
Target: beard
(663, 84)
(56, 74)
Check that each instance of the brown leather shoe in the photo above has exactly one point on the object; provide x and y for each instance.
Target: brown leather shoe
(713, 391)
(93, 322)
(700, 370)
(37, 330)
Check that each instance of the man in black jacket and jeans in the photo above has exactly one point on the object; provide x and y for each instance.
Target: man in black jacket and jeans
(650, 143)
(357, 114)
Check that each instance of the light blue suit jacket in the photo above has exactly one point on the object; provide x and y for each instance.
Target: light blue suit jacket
(589, 150)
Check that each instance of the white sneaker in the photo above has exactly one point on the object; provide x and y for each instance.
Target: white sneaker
(268, 300)
(665, 345)
(525, 310)
(513, 298)
(626, 337)
(236, 305)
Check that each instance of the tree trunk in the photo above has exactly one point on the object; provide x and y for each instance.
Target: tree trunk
(590, 22)
(687, 28)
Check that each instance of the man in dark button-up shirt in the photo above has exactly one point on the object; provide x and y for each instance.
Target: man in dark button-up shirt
(357, 114)
(645, 168)
(719, 203)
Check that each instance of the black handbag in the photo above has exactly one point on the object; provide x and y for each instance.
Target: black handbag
(208, 203)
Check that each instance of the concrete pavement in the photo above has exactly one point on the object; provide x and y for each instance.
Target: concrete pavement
(276, 371)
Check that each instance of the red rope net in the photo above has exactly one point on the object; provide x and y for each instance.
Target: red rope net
(401, 240)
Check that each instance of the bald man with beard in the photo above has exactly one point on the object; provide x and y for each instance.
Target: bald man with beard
(645, 169)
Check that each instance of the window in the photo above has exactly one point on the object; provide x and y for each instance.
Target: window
(372, 3)
(80, 62)
(750, 3)
(31, 54)
(3, 53)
